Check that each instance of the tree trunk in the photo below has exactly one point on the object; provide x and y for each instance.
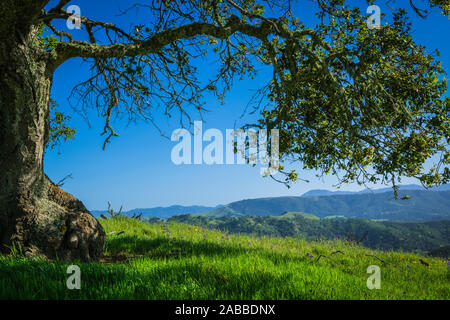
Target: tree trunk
(35, 215)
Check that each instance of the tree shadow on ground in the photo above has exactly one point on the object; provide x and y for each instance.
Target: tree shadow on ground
(126, 247)
(40, 279)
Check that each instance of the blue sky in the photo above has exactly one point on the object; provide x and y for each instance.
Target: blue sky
(136, 169)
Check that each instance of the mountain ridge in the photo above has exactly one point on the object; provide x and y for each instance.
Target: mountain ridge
(161, 212)
(421, 206)
(324, 192)
(272, 205)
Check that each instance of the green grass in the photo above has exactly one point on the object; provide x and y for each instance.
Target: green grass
(297, 214)
(143, 263)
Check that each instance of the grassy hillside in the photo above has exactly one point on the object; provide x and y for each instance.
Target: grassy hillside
(420, 237)
(421, 206)
(179, 261)
(294, 215)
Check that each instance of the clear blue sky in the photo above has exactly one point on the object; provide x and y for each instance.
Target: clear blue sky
(136, 170)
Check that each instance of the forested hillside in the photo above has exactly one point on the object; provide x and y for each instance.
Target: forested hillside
(416, 237)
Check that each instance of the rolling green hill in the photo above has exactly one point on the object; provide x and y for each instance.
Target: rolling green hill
(294, 215)
(421, 206)
(181, 261)
(383, 235)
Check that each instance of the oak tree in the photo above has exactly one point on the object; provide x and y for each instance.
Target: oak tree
(364, 103)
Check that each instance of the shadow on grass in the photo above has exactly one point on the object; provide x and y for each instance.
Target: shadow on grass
(163, 248)
(39, 279)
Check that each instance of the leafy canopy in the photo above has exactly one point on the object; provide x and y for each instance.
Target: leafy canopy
(367, 105)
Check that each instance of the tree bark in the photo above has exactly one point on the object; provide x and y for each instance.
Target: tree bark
(35, 215)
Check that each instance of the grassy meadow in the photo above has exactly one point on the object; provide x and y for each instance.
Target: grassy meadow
(180, 261)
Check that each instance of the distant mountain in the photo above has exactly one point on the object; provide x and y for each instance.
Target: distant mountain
(161, 212)
(421, 206)
(331, 208)
(322, 192)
